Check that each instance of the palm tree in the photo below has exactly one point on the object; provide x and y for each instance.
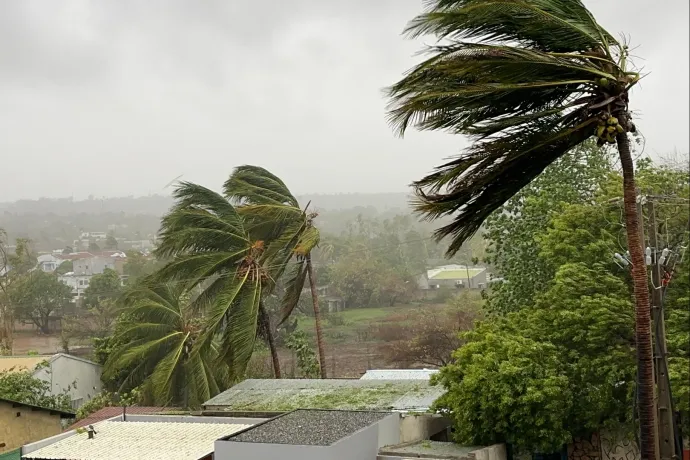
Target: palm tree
(156, 347)
(214, 255)
(527, 80)
(275, 214)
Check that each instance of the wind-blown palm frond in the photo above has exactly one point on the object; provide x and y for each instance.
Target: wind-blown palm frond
(214, 256)
(254, 184)
(538, 78)
(157, 338)
(274, 215)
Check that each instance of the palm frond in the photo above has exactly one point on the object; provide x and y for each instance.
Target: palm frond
(255, 185)
(547, 25)
(293, 289)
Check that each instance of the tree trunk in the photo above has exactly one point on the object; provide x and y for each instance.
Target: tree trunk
(266, 325)
(643, 330)
(317, 317)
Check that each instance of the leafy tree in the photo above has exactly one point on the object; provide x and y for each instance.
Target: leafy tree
(21, 386)
(110, 242)
(213, 254)
(512, 231)
(306, 358)
(156, 346)
(94, 247)
(108, 399)
(68, 250)
(13, 265)
(138, 266)
(104, 286)
(536, 378)
(275, 216)
(65, 267)
(527, 82)
(39, 296)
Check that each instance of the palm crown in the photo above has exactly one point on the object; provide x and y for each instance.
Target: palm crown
(527, 80)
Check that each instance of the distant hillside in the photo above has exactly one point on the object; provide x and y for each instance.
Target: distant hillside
(157, 205)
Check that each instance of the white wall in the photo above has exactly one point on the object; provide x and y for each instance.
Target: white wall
(81, 379)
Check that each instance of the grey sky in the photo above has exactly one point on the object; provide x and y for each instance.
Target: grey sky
(118, 97)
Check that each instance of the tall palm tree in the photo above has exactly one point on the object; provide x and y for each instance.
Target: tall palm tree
(275, 214)
(527, 80)
(156, 346)
(214, 255)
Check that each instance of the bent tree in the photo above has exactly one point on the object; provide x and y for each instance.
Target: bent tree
(527, 81)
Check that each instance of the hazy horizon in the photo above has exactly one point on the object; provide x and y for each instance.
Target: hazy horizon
(119, 98)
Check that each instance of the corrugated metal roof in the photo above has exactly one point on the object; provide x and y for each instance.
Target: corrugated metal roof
(137, 440)
(287, 394)
(398, 374)
(460, 274)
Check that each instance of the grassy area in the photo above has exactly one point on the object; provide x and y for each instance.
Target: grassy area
(354, 324)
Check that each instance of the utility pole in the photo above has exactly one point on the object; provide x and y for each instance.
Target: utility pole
(666, 431)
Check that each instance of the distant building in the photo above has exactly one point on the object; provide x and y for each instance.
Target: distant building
(330, 303)
(49, 262)
(453, 276)
(22, 423)
(78, 283)
(78, 377)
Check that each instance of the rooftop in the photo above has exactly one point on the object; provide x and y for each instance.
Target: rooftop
(61, 413)
(309, 427)
(398, 374)
(136, 440)
(282, 395)
(109, 412)
(457, 274)
(431, 450)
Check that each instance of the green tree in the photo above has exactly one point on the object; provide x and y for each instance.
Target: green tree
(138, 266)
(110, 242)
(276, 216)
(512, 231)
(106, 285)
(527, 82)
(212, 253)
(156, 347)
(93, 246)
(536, 378)
(39, 296)
(65, 267)
(13, 266)
(21, 386)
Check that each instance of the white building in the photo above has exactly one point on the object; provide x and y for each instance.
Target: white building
(49, 262)
(78, 283)
(78, 377)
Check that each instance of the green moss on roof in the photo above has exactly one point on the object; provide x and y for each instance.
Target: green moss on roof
(455, 274)
(285, 395)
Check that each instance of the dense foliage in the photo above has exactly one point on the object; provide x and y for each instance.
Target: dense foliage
(21, 386)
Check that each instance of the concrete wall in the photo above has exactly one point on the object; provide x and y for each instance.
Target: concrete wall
(495, 452)
(81, 379)
(389, 430)
(417, 427)
(21, 425)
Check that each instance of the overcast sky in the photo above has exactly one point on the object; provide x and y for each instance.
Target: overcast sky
(119, 97)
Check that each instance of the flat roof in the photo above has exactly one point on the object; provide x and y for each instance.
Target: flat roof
(306, 427)
(431, 450)
(283, 395)
(398, 374)
(136, 440)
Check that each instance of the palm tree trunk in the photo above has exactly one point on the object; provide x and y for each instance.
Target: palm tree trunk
(643, 330)
(266, 325)
(317, 317)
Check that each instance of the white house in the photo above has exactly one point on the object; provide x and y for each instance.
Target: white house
(49, 262)
(78, 283)
(78, 377)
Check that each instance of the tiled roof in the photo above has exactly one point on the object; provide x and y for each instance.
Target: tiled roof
(399, 374)
(137, 440)
(279, 395)
(109, 412)
(21, 363)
